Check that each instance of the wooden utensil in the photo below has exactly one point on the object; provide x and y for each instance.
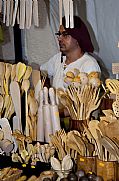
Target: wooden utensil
(1, 104)
(25, 87)
(8, 13)
(22, 14)
(40, 123)
(35, 77)
(54, 111)
(60, 12)
(4, 10)
(15, 12)
(47, 115)
(112, 85)
(8, 69)
(28, 72)
(2, 73)
(28, 13)
(20, 71)
(11, 12)
(66, 11)
(38, 88)
(16, 98)
(115, 104)
(13, 72)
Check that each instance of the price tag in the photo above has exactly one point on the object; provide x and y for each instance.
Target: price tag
(82, 159)
(101, 164)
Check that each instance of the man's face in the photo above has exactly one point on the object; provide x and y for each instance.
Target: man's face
(66, 42)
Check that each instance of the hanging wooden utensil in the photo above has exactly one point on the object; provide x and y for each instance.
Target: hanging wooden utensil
(66, 11)
(4, 10)
(15, 12)
(71, 14)
(22, 14)
(11, 11)
(60, 12)
(8, 13)
(28, 13)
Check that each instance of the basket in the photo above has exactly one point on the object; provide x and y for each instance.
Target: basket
(109, 170)
(88, 164)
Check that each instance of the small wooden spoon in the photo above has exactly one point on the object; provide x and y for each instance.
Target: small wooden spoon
(2, 73)
(1, 104)
(28, 72)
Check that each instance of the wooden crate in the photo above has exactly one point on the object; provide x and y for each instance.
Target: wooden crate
(88, 164)
(109, 170)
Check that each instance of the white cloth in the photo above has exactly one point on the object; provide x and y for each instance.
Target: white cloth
(56, 69)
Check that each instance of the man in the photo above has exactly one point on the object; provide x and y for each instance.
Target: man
(75, 45)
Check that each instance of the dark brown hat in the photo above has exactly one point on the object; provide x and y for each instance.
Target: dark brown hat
(80, 33)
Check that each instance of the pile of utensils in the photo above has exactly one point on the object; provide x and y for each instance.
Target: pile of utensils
(73, 143)
(29, 152)
(80, 101)
(24, 12)
(99, 138)
(12, 79)
(48, 120)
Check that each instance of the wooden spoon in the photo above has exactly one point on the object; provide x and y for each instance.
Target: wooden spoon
(25, 87)
(20, 71)
(28, 72)
(7, 77)
(1, 104)
(2, 73)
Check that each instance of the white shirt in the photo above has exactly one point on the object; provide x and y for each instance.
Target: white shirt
(55, 68)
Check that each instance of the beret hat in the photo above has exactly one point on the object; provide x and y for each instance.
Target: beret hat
(80, 33)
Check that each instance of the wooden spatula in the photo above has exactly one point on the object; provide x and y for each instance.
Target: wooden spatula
(16, 98)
